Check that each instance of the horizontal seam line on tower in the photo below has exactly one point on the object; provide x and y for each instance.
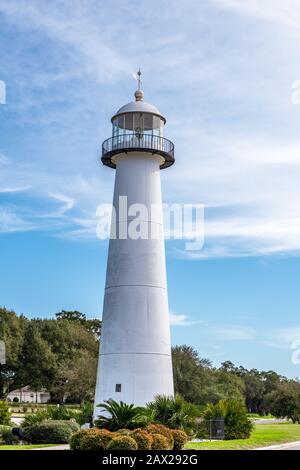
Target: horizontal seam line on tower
(140, 353)
(135, 285)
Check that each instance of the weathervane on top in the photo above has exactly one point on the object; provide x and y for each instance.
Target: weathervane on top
(139, 94)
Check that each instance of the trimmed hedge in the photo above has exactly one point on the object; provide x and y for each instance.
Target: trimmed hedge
(162, 430)
(76, 438)
(122, 443)
(143, 439)
(160, 442)
(8, 438)
(50, 432)
(126, 439)
(180, 438)
(95, 439)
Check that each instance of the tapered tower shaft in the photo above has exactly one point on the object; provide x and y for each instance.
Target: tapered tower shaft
(135, 361)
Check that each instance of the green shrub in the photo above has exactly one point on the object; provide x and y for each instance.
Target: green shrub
(162, 430)
(76, 438)
(180, 438)
(61, 413)
(143, 439)
(122, 443)
(53, 413)
(160, 442)
(3, 427)
(50, 432)
(35, 418)
(237, 424)
(86, 413)
(202, 429)
(5, 414)
(174, 412)
(8, 438)
(95, 439)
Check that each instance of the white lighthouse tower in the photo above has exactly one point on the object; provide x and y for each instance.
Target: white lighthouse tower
(135, 361)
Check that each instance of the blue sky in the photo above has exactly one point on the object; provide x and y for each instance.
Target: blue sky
(222, 72)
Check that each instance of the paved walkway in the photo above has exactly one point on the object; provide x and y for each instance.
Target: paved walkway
(288, 446)
(60, 447)
(269, 421)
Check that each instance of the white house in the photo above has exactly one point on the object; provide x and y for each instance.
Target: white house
(26, 395)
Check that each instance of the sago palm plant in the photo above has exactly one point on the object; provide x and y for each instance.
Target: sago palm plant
(120, 415)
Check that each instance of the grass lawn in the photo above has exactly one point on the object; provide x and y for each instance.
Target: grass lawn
(262, 435)
(26, 447)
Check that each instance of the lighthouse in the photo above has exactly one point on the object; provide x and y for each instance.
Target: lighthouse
(135, 362)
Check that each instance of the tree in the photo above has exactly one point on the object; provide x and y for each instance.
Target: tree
(12, 330)
(92, 325)
(76, 349)
(285, 401)
(254, 392)
(58, 354)
(81, 377)
(192, 375)
(37, 363)
(73, 315)
(228, 385)
(258, 386)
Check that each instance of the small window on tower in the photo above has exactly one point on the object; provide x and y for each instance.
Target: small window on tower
(118, 387)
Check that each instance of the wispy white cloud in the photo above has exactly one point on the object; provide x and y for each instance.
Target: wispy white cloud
(233, 332)
(67, 203)
(285, 14)
(283, 338)
(11, 222)
(16, 189)
(177, 319)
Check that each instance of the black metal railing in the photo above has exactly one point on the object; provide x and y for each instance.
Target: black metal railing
(138, 142)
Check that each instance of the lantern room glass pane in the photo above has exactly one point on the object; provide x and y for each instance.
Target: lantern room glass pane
(148, 122)
(129, 122)
(138, 123)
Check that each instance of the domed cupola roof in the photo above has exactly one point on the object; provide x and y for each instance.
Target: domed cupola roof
(139, 105)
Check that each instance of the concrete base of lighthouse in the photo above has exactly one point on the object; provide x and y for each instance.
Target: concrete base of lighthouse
(135, 361)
